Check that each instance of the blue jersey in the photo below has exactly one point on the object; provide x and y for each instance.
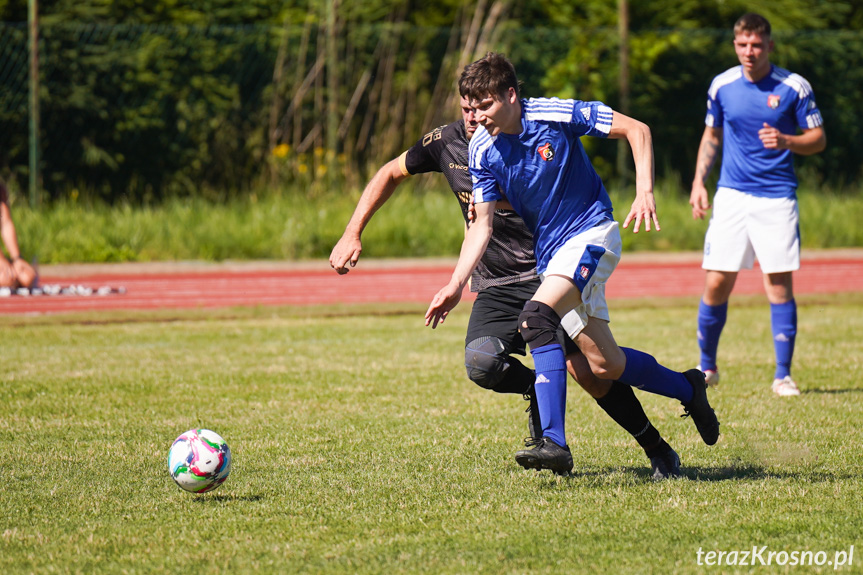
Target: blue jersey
(544, 171)
(781, 99)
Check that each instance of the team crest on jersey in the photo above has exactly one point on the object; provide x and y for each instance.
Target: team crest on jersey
(773, 101)
(584, 271)
(546, 152)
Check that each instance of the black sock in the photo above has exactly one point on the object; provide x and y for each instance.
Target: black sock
(624, 408)
(518, 378)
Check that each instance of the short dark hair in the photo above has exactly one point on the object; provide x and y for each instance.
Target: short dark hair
(752, 23)
(492, 75)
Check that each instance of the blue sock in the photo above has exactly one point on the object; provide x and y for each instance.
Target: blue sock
(711, 320)
(644, 372)
(551, 390)
(783, 318)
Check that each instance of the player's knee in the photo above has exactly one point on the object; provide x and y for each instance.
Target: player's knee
(605, 371)
(609, 366)
(538, 324)
(579, 369)
(485, 361)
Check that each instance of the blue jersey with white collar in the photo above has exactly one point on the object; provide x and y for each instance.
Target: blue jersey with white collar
(544, 171)
(782, 100)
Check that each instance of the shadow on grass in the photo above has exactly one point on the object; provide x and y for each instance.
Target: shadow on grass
(832, 391)
(728, 472)
(744, 472)
(226, 498)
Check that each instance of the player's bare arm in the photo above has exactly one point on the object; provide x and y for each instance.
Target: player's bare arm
(375, 195)
(471, 210)
(638, 135)
(708, 150)
(16, 271)
(475, 241)
(811, 141)
(7, 226)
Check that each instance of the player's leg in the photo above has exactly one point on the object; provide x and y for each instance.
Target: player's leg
(712, 314)
(773, 226)
(783, 321)
(641, 370)
(727, 250)
(491, 341)
(580, 266)
(620, 403)
(538, 324)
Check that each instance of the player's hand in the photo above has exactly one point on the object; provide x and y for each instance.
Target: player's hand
(442, 303)
(771, 138)
(699, 201)
(24, 272)
(643, 210)
(471, 210)
(348, 250)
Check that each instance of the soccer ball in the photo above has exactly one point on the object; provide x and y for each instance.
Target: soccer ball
(199, 460)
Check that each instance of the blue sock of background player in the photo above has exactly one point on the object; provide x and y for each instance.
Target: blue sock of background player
(784, 323)
(711, 320)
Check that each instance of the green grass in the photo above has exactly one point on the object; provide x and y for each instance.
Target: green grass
(293, 224)
(360, 447)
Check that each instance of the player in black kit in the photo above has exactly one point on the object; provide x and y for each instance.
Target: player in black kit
(504, 280)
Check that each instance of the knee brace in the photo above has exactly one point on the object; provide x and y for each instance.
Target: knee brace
(485, 362)
(538, 324)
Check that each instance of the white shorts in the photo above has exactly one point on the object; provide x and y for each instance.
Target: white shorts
(588, 259)
(744, 227)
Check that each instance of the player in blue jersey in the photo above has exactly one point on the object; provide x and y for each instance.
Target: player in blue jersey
(504, 280)
(760, 115)
(530, 151)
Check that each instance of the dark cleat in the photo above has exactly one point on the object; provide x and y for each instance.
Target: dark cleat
(534, 427)
(665, 465)
(545, 454)
(699, 408)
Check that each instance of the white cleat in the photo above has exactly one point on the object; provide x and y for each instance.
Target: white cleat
(711, 376)
(785, 387)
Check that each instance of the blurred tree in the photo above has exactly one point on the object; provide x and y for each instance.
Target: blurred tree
(143, 100)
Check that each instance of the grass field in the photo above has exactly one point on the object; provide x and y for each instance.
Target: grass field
(360, 447)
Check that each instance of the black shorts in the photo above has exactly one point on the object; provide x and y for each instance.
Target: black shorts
(495, 314)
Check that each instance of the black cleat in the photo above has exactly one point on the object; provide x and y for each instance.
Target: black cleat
(699, 408)
(546, 454)
(534, 426)
(665, 465)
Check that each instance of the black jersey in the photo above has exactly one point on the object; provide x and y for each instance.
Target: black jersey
(509, 257)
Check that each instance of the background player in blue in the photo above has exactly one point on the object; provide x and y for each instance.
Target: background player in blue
(753, 114)
(530, 151)
(505, 279)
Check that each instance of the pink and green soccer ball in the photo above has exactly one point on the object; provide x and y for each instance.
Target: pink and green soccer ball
(199, 460)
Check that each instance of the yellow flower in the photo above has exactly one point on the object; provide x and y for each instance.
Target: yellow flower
(281, 150)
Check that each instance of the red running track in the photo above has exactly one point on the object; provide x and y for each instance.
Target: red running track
(165, 286)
